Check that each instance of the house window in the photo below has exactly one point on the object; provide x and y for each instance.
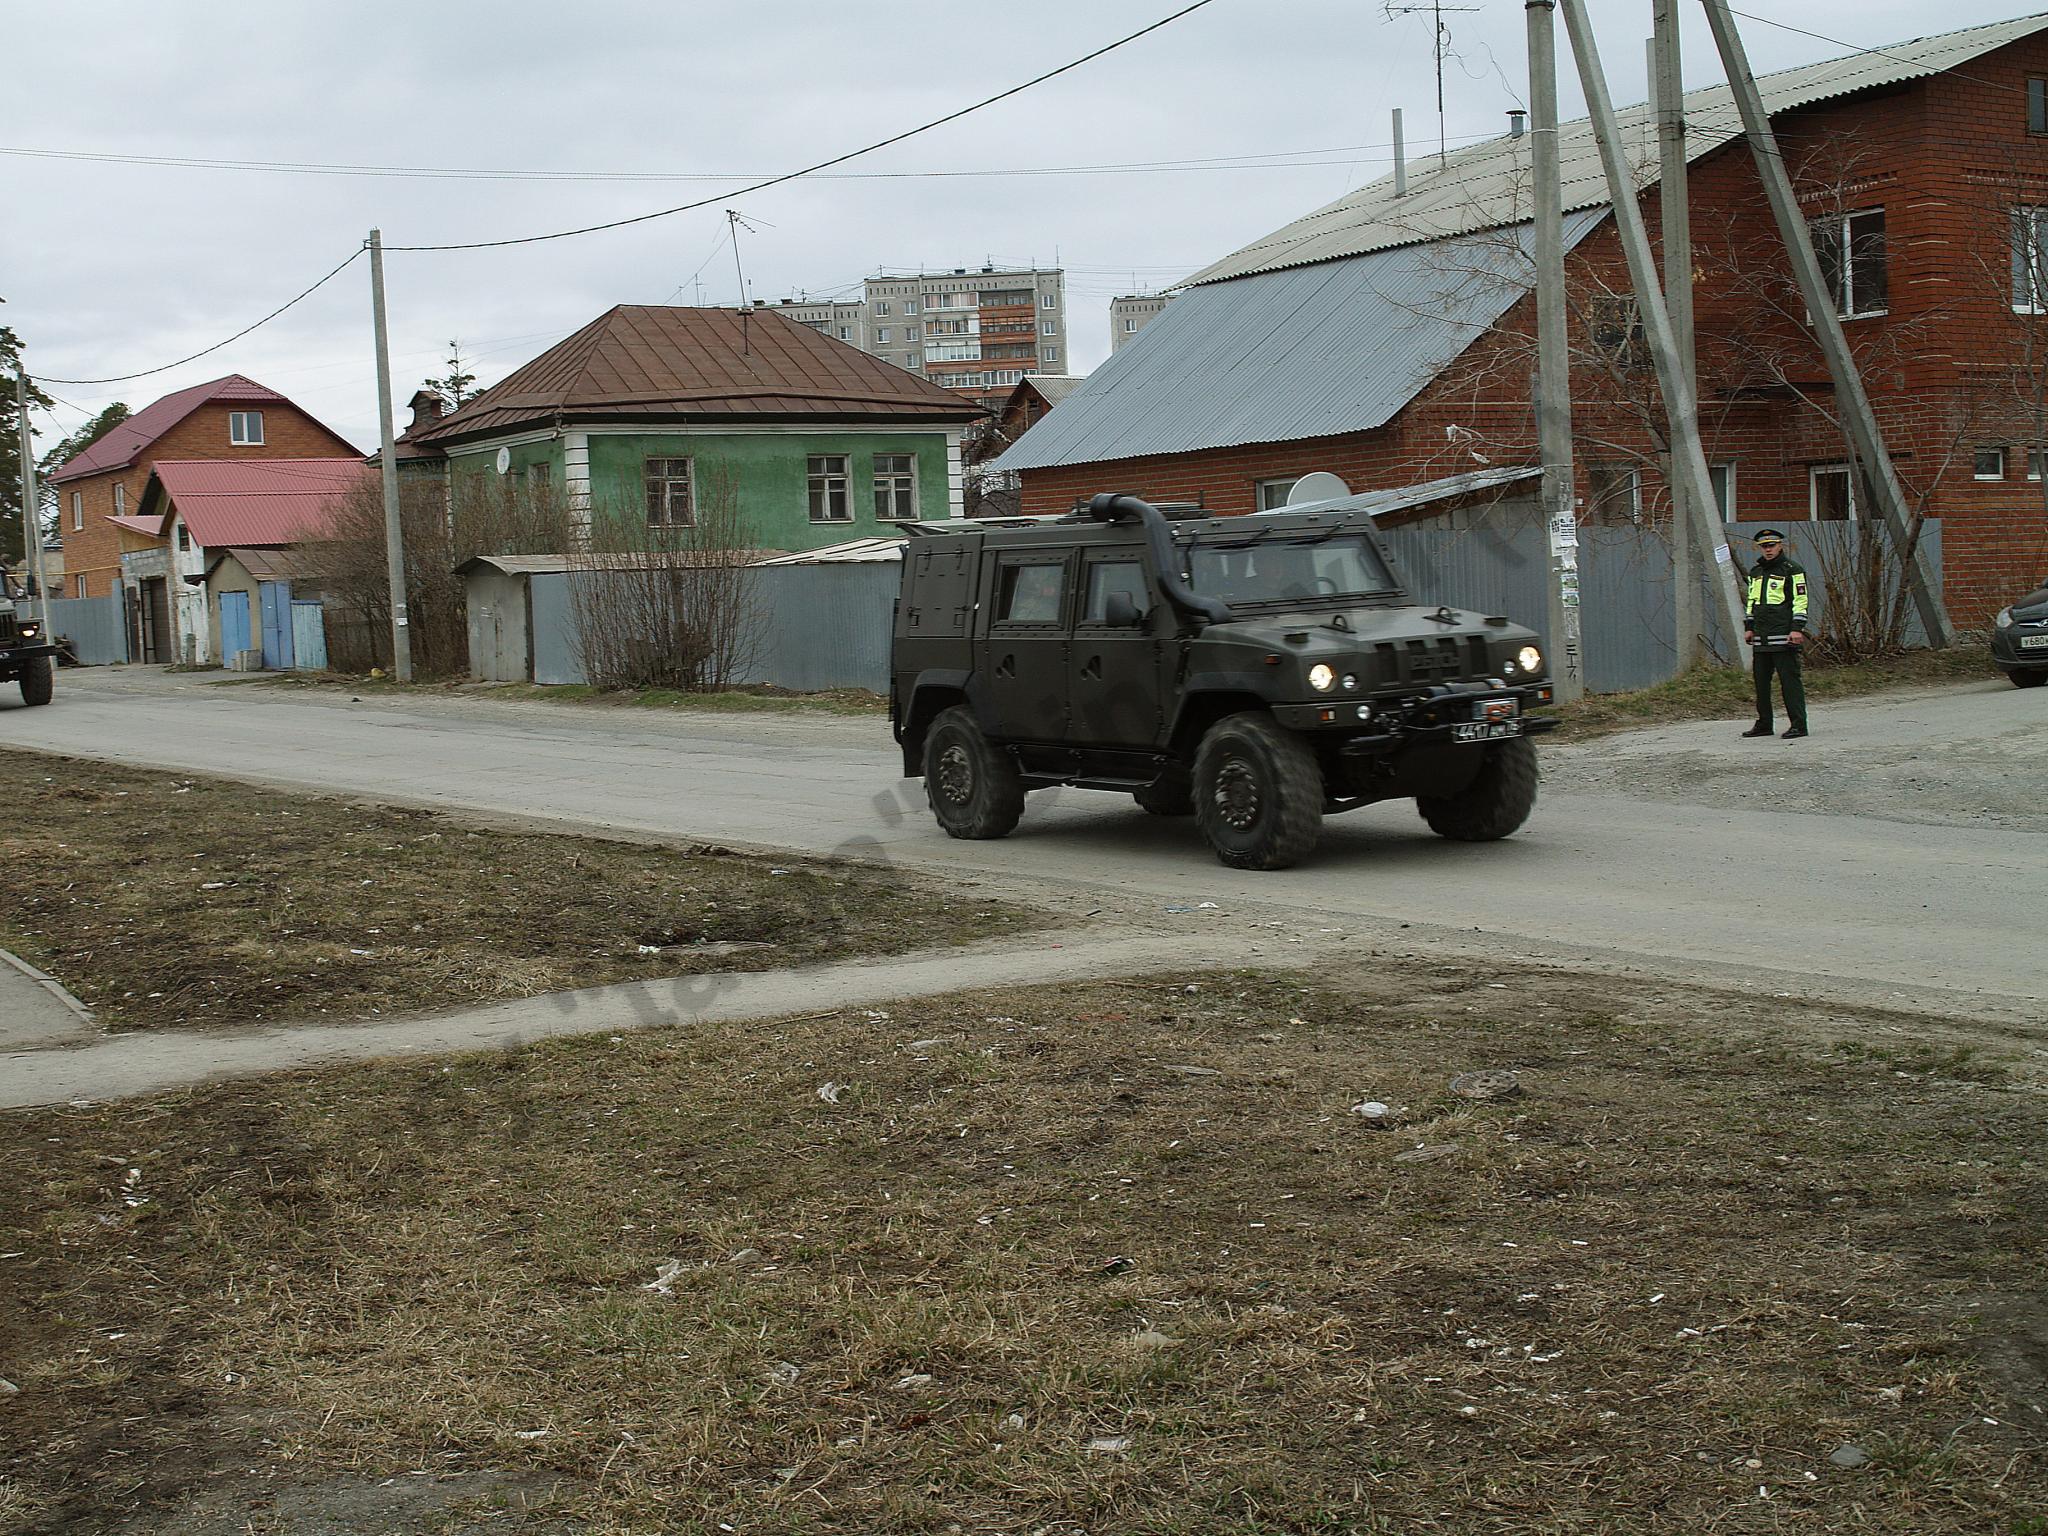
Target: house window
(120, 498)
(1047, 327)
(1130, 325)
(1050, 355)
(2033, 463)
(1268, 494)
(882, 337)
(2030, 260)
(844, 333)
(1048, 300)
(184, 540)
(245, 427)
(2037, 106)
(1988, 464)
(1832, 494)
(882, 307)
(78, 586)
(910, 306)
(77, 510)
(670, 503)
(1722, 478)
(1852, 261)
(1617, 495)
(895, 487)
(829, 502)
(1616, 324)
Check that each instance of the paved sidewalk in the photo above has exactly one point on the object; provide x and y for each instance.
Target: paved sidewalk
(36, 1011)
(133, 1064)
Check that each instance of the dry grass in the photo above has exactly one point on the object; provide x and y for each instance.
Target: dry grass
(1107, 1258)
(753, 698)
(166, 900)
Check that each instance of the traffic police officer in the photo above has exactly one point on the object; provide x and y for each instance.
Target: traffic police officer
(1775, 627)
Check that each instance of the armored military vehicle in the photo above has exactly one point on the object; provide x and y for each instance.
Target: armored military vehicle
(1255, 672)
(26, 657)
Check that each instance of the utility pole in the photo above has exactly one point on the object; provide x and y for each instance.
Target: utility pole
(1667, 99)
(31, 521)
(1865, 438)
(387, 457)
(1689, 460)
(1553, 362)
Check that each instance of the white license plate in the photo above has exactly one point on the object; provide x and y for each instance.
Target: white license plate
(2034, 642)
(1481, 730)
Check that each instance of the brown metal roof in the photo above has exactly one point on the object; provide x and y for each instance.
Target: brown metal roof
(648, 362)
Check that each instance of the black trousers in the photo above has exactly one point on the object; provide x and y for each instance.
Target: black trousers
(1785, 664)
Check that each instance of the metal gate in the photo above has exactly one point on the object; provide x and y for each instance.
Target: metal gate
(274, 598)
(234, 625)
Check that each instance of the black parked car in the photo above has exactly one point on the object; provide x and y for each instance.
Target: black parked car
(2019, 639)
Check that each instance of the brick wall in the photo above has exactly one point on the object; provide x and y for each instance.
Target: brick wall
(1949, 366)
(94, 551)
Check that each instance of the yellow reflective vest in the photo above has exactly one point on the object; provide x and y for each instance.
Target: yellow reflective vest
(1777, 598)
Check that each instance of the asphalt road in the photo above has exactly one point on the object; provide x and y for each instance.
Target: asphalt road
(1680, 851)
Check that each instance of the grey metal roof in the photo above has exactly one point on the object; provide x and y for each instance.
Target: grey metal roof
(1055, 387)
(1312, 351)
(872, 551)
(1403, 497)
(1486, 186)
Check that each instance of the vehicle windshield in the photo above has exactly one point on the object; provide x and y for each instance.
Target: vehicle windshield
(1276, 568)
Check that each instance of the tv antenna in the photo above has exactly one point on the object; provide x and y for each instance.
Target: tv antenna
(734, 224)
(1436, 11)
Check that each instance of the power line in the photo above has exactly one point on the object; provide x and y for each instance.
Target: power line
(124, 378)
(1880, 53)
(662, 213)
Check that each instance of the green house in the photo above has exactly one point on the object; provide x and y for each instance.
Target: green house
(650, 410)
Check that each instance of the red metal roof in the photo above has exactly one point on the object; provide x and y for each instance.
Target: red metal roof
(254, 501)
(122, 445)
(650, 362)
(152, 526)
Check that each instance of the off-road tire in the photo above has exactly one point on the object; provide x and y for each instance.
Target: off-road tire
(2027, 679)
(1496, 802)
(1258, 793)
(1172, 794)
(38, 680)
(971, 784)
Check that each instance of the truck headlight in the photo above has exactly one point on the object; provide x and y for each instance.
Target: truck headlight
(1529, 659)
(30, 631)
(2003, 621)
(1321, 677)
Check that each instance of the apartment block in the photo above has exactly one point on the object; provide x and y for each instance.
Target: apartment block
(1131, 313)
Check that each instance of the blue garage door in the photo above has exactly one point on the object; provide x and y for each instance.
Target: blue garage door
(234, 623)
(275, 599)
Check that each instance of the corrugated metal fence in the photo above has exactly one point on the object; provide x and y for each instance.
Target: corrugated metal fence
(828, 626)
(95, 628)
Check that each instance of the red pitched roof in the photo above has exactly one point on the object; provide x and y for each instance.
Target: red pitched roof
(659, 363)
(134, 522)
(124, 444)
(254, 501)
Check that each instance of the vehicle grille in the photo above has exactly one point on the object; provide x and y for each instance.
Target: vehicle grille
(10, 627)
(1434, 660)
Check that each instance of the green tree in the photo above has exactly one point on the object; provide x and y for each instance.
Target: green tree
(458, 383)
(70, 447)
(11, 547)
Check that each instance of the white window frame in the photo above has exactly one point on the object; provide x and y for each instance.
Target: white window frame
(1977, 458)
(1049, 354)
(882, 307)
(666, 478)
(1813, 474)
(77, 511)
(239, 425)
(2033, 464)
(1726, 500)
(120, 499)
(882, 336)
(1268, 494)
(894, 485)
(1130, 324)
(1048, 301)
(2029, 259)
(1634, 506)
(79, 582)
(826, 489)
(1843, 227)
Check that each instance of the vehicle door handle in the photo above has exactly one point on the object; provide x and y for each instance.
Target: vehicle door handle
(1093, 669)
(1007, 667)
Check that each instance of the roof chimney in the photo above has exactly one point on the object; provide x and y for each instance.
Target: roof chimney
(1518, 122)
(427, 408)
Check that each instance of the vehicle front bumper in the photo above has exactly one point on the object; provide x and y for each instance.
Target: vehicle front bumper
(1434, 718)
(2008, 651)
(13, 657)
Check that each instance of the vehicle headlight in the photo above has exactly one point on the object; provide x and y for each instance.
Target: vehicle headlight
(1321, 677)
(30, 631)
(2003, 621)
(1529, 659)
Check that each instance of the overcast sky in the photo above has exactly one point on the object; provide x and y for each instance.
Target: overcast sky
(110, 268)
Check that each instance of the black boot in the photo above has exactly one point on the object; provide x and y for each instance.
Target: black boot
(1761, 728)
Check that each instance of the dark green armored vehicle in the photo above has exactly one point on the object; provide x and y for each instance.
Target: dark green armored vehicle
(1256, 672)
(26, 655)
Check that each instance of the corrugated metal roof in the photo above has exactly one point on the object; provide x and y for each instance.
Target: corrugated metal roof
(1303, 352)
(1404, 497)
(1055, 387)
(642, 362)
(119, 446)
(227, 502)
(873, 551)
(151, 527)
(1485, 186)
(556, 565)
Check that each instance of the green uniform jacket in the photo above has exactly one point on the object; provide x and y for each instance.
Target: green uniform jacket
(1777, 600)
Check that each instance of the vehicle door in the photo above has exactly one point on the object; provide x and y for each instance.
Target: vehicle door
(1025, 642)
(1118, 674)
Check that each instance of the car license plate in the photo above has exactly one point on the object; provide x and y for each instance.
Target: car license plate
(2034, 642)
(1484, 730)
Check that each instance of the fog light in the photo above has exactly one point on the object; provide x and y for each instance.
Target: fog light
(1365, 711)
(1321, 677)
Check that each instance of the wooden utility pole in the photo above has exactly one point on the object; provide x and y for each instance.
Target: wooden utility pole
(1689, 460)
(1553, 361)
(387, 455)
(1674, 199)
(1866, 441)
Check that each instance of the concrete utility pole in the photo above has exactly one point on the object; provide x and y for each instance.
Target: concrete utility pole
(1865, 439)
(1667, 100)
(387, 456)
(1689, 460)
(31, 523)
(1553, 361)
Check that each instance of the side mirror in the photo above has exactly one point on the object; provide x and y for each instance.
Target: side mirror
(1120, 611)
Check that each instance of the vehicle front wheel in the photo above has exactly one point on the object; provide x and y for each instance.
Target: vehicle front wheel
(39, 681)
(1258, 793)
(1496, 802)
(2022, 679)
(972, 784)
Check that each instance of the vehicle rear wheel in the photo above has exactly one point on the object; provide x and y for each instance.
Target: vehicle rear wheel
(1171, 794)
(1258, 793)
(2027, 679)
(39, 680)
(1496, 802)
(972, 784)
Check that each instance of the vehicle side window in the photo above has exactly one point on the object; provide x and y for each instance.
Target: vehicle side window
(1125, 576)
(1029, 594)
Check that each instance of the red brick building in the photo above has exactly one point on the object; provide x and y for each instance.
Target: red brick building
(1389, 339)
(232, 418)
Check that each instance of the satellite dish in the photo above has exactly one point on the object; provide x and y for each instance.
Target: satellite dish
(504, 460)
(1320, 486)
